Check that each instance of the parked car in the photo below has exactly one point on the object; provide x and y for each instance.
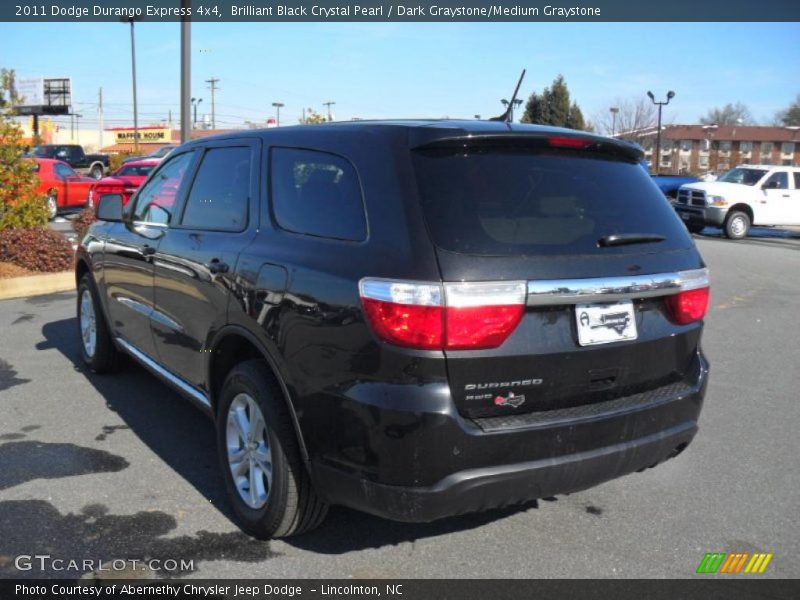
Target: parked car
(415, 319)
(669, 184)
(94, 165)
(64, 189)
(764, 195)
(159, 154)
(124, 181)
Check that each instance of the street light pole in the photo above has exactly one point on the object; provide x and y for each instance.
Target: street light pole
(670, 96)
(131, 20)
(614, 110)
(278, 106)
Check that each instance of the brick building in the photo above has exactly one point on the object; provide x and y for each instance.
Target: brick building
(699, 149)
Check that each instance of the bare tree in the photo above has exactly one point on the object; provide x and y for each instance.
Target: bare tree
(634, 115)
(730, 114)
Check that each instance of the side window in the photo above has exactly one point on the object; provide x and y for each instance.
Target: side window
(777, 181)
(156, 200)
(797, 180)
(64, 171)
(317, 193)
(220, 191)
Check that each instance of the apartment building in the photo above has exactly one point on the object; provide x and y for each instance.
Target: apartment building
(699, 149)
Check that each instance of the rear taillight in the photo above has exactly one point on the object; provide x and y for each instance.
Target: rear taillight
(453, 316)
(688, 306)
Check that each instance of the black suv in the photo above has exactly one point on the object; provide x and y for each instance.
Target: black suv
(414, 319)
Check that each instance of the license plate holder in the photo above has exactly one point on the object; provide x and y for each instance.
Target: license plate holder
(605, 323)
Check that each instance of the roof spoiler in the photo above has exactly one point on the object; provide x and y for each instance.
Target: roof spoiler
(557, 140)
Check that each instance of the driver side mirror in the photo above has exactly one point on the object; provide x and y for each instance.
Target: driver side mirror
(770, 185)
(109, 208)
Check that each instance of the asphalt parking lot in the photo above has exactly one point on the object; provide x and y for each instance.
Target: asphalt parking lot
(121, 467)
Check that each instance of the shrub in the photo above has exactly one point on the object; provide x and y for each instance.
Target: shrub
(20, 204)
(37, 249)
(115, 160)
(82, 222)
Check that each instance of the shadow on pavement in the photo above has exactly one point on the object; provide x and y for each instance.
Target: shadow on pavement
(31, 527)
(184, 439)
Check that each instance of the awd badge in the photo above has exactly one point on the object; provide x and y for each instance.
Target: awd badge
(510, 400)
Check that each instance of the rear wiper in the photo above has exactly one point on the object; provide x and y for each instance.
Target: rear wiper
(621, 239)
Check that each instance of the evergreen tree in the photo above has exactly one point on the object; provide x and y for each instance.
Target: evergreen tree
(553, 107)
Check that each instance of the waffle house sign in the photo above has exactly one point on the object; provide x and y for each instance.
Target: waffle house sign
(147, 135)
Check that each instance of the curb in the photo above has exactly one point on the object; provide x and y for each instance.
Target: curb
(36, 285)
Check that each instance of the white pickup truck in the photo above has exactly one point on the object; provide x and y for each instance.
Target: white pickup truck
(747, 195)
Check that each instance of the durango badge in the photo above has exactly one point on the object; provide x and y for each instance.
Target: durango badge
(510, 400)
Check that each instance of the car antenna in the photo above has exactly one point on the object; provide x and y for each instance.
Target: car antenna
(506, 116)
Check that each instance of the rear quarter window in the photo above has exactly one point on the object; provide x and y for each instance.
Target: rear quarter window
(316, 193)
(494, 202)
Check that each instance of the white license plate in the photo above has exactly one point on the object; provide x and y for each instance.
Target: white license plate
(605, 323)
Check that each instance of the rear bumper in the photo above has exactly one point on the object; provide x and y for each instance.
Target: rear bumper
(480, 489)
(421, 466)
(709, 215)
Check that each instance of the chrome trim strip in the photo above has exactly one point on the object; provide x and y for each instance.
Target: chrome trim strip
(192, 392)
(612, 289)
(166, 321)
(139, 307)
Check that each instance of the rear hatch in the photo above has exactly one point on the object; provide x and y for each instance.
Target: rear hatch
(598, 249)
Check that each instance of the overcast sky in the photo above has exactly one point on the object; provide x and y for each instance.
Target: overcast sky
(410, 69)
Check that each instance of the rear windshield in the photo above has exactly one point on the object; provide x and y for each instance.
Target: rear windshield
(495, 202)
(135, 170)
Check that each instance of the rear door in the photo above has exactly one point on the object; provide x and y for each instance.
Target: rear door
(196, 259)
(590, 240)
(778, 207)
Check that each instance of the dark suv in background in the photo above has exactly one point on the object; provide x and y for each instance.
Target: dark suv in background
(414, 319)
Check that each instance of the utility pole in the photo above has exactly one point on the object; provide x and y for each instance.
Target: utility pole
(186, 71)
(77, 128)
(328, 104)
(100, 118)
(212, 83)
(131, 20)
(169, 118)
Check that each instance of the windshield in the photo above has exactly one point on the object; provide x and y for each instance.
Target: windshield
(553, 203)
(743, 176)
(135, 170)
(162, 152)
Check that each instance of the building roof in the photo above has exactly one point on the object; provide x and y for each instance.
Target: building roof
(738, 133)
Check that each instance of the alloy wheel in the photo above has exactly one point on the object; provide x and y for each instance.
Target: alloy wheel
(249, 452)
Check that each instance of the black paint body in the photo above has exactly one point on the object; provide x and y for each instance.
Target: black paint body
(386, 429)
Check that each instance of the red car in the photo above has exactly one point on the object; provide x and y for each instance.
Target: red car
(125, 180)
(62, 186)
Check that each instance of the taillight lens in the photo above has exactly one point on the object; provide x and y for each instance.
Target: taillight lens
(482, 315)
(568, 142)
(688, 306)
(455, 316)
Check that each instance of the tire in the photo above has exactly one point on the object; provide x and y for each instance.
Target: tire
(101, 356)
(52, 205)
(284, 504)
(695, 227)
(97, 172)
(737, 224)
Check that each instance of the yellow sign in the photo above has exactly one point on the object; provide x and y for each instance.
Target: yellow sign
(147, 135)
